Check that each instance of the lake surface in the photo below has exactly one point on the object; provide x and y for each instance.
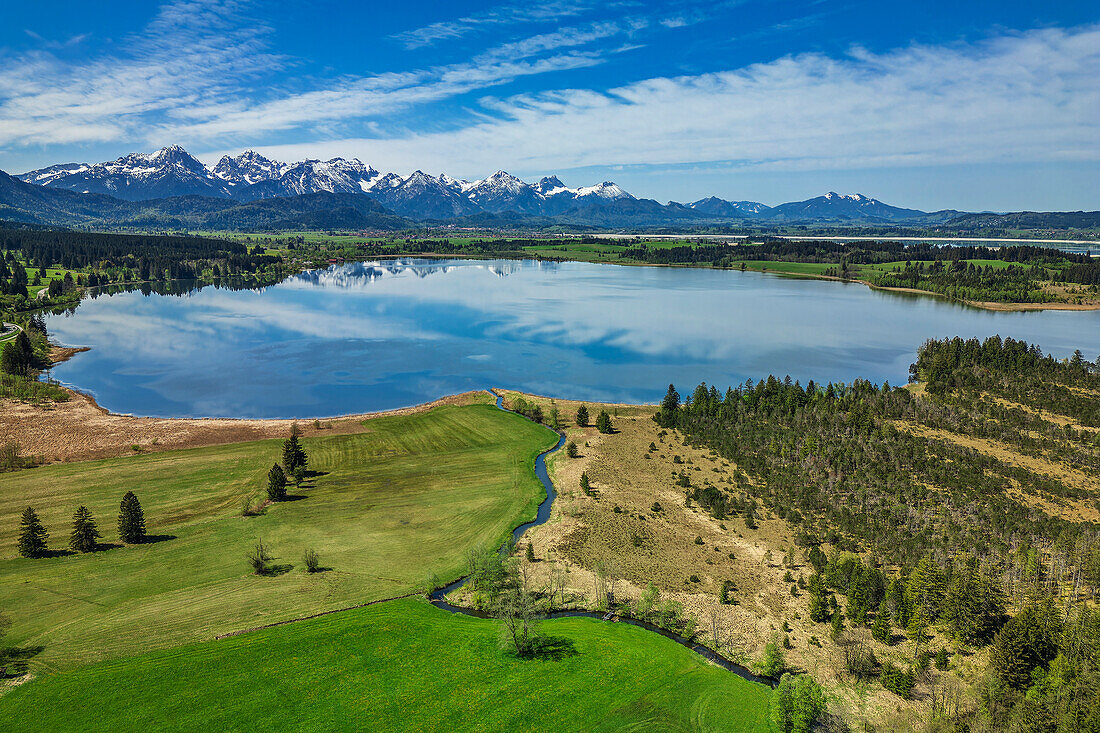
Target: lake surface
(371, 336)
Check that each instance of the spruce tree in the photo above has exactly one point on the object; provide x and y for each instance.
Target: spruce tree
(131, 520)
(585, 487)
(819, 610)
(85, 535)
(603, 422)
(276, 483)
(293, 454)
(582, 416)
(836, 626)
(880, 630)
(32, 535)
(926, 589)
(671, 402)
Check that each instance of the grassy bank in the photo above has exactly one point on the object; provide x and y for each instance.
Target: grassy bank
(408, 496)
(401, 665)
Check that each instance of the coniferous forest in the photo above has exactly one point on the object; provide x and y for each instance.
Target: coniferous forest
(937, 510)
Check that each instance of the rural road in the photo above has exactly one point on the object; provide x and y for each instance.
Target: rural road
(11, 330)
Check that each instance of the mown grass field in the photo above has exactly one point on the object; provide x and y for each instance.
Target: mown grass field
(408, 496)
(400, 665)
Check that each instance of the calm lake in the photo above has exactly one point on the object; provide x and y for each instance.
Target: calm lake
(371, 336)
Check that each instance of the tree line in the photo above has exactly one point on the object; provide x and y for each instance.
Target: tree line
(33, 538)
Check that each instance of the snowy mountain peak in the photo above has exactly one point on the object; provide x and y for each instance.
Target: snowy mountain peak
(605, 190)
(548, 185)
(247, 168)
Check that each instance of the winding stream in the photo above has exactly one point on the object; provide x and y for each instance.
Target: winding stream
(438, 597)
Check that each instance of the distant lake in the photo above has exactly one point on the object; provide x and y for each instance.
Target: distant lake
(370, 336)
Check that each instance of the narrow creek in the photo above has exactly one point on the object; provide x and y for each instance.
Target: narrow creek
(438, 597)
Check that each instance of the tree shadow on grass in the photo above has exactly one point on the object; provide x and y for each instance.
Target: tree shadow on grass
(47, 554)
(274, 570)
(555, 648)
(152, 539)
(293, 497)
(315, 474)
(17, 658)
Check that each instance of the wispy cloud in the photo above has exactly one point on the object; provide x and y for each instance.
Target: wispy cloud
(188, 76)
(1017, 97)
(508, 14)
(192, 51)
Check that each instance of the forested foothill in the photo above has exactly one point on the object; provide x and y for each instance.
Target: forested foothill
(1010, 274)
(64, 264)
(963, 507)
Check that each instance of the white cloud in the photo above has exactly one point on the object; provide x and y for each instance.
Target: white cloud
(193, 51)
(1020, 97)
(510, 14)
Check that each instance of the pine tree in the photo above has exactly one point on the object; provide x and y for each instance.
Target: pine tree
(131, 520)
(32, 535)
(585, 487)
(85, 534)
(276, 483)
(582, 416)
(973, 606)
(898, 600)
(603, 422)
(293, 454)
(880, 630)
(819, 610)
(1028, 640)
(671, 402)
(917, 630)
(836, 626)
(926, 589)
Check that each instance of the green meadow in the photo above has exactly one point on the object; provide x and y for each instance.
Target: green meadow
(408, 496)
(399, 666)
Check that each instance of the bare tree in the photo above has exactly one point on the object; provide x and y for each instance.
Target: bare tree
(518, 611)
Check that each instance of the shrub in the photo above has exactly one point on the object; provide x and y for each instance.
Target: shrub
(797, 703)
(698, 540)
(312, 561)
(771, 663)
(259, 559)
(656, 507)
(896, 681)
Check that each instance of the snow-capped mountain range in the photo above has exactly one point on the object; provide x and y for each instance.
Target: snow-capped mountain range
(250, 176)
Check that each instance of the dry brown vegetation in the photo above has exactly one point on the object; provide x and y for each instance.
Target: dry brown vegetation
(79, 429)
(618, 530)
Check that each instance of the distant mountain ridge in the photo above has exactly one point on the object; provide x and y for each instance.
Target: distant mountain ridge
(150, 181)
(251, 176)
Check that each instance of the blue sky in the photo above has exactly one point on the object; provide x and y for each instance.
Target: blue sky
(979, 105)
